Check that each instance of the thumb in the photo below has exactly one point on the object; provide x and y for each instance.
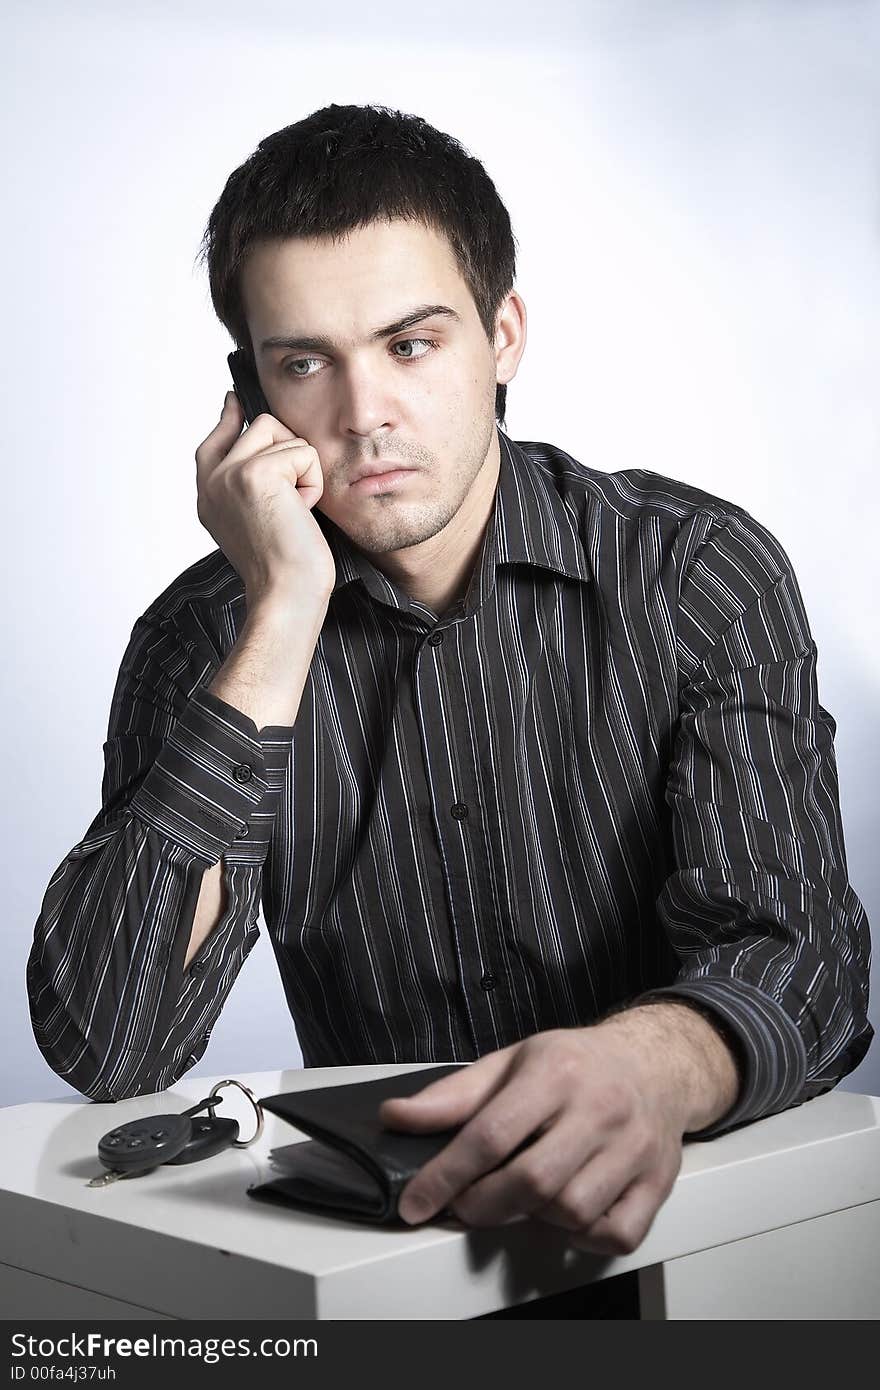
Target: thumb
(451, 1099)
(231, 417)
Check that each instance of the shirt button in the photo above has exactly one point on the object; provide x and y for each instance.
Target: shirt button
(435, 639)
(197, 967)
(460, 811)
(243, 772)
(487, 982)
(240, 834)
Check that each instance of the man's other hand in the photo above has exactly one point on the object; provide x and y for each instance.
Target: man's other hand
(605, 1108)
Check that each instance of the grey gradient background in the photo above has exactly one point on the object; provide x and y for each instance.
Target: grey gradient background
(694, 189)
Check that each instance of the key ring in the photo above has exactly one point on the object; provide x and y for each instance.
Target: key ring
(258, 1109)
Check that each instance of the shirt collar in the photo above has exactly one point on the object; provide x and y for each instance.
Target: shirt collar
(533, 523)
(530, 523)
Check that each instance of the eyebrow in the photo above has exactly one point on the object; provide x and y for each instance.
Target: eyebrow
(320, 344)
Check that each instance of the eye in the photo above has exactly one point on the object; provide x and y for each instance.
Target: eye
(292, 368)
(427, 343)
(300, 362)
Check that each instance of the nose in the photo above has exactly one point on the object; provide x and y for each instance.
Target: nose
(366, 400)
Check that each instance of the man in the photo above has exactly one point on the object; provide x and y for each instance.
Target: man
(525, 759)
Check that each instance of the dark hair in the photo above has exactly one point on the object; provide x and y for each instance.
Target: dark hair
(344, 167)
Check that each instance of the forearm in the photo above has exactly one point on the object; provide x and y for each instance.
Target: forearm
(692, 1065)
(112, 1013)
(263, 677)
(265, 672)
(113, 1005)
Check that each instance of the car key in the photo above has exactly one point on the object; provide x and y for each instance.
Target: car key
(141, 1145)
(137, 1147)
(210, 1135)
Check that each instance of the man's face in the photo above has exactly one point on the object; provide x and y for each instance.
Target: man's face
(422, 397)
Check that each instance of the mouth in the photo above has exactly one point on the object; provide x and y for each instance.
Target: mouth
(375, 480)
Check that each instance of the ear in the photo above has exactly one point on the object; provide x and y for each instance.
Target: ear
(510, 337)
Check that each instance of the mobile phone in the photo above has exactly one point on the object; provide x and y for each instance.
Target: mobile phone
(247, 385)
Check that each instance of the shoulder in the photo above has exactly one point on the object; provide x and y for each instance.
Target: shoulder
(694, 522)
(629, 493)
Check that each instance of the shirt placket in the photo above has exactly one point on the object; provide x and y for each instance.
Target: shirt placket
(453, 785)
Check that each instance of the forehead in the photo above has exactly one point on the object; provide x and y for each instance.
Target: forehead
(369, 268)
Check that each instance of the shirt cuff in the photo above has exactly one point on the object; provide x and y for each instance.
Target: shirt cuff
(215, 785)
(770, 1051)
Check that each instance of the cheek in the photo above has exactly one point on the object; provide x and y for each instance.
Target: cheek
(455, 379)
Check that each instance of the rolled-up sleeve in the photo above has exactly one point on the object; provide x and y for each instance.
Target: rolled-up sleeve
(771, 939)
(188, 779)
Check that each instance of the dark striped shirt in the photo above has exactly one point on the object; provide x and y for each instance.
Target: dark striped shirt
(603, 777)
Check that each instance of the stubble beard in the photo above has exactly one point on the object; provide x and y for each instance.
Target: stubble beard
(394, 524)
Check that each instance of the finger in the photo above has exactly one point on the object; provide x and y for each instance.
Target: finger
(217, 444)
(505, 1124)
(592, 1190)
(450, 1100)
(621, 1229)
(531, 1180)
(227, 433)
(308, 476)
(231, 415)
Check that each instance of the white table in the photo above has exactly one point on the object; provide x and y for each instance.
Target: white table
(780, 1219)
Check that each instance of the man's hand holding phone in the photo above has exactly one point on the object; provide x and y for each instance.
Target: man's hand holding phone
(256, 492)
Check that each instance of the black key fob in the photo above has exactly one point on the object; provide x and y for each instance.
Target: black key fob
(144, 1144)
(210, 1135)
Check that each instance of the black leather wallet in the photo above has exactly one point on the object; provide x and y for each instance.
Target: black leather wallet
(353, 1167)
